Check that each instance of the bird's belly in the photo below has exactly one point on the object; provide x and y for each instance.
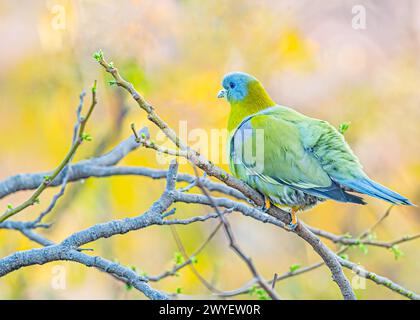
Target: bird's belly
(281, 195)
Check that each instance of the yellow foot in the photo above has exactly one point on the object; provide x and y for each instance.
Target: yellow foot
(267, 203)
(293, 224)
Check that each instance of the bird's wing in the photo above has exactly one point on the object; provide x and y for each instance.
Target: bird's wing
(271, 147)
(328, 146)
(337, 159)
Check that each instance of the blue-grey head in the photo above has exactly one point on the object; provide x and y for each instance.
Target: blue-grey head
(236, 86)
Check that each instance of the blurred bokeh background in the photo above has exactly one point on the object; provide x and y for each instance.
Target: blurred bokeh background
(315, 56)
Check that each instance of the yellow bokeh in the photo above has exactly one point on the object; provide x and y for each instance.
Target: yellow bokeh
(175, 52)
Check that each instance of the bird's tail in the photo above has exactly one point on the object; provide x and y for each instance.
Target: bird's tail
(374, 189)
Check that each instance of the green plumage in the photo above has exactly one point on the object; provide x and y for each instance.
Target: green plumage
(294, 160)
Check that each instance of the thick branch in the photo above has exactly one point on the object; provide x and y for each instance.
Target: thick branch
(69, 248)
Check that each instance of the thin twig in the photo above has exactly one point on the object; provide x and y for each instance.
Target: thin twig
(190, 259)
(184, 253)
(34, 198)
(146, 142)
(66, 170)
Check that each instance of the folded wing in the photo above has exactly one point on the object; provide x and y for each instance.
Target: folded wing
(340, 163)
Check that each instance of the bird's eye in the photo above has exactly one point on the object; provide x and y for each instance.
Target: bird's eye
(231, 85)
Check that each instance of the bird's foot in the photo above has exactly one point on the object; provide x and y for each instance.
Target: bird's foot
(291, 226)
(266, 205)
(294, 221)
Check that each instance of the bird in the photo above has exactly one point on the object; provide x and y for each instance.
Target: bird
(294, 161)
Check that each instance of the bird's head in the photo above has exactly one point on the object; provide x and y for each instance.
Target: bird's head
(242, 87)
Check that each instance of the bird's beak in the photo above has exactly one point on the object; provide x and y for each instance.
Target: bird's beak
(222, 94)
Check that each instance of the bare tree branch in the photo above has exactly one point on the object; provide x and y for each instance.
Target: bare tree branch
(69, 248)
(98, 168)
(346, 240)
(379, 279)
